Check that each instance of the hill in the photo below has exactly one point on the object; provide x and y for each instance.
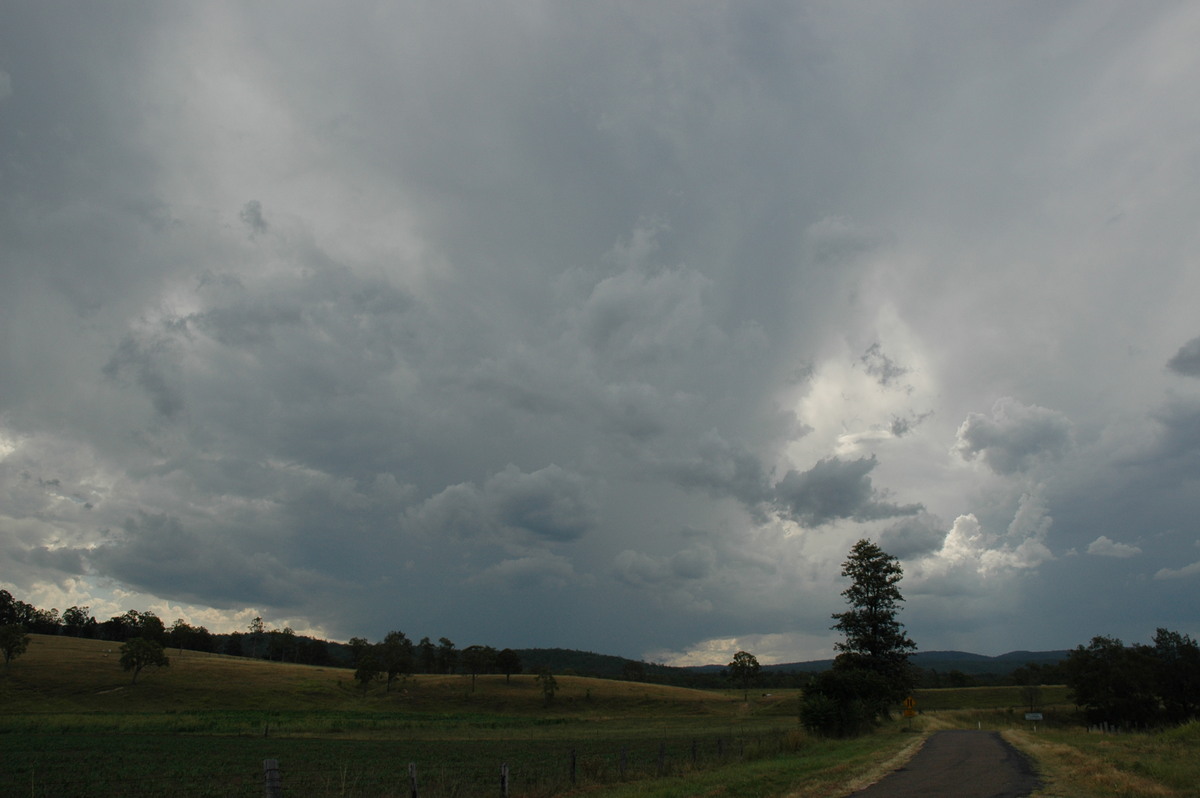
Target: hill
(60, 674)
(941, 661)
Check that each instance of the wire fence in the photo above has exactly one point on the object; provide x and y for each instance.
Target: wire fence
(538, 774)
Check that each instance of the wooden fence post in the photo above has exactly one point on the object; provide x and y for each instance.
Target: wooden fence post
(412, 779)
(504, 780)
(662, 759)
(273, 784)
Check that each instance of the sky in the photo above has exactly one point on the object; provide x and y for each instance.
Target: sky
(603, 325)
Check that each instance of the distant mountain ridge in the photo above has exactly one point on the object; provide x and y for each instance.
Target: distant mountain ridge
(945, 661)
(614, 667)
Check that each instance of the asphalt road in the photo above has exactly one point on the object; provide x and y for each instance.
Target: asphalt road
(959, 764)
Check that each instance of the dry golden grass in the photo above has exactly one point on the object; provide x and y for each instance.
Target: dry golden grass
(1070, 772)
(861, 774)
(1076, 764)
(66, 674)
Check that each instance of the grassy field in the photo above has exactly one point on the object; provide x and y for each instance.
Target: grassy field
(1050, 698)
(1090, 765)
(73, 725)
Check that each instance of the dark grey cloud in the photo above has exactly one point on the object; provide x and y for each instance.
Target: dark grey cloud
(160, 553)
(63, 560)
(914, 536)
(835, 489)
(903, 425)
(252, 216)
(723, 469)
(543, 570)
(638, 569)
(880, 366)
(1015, 436)
(538, 309)
(149, 361)
(1177, 446)
(1187, 360)
(550, 504)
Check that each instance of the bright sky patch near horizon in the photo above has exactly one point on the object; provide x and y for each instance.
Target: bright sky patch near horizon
(607, 326)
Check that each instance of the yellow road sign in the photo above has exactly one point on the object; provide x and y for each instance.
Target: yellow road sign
(910, 703)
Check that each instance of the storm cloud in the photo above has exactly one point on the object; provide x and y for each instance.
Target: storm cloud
(1187, 360)
(609, 326)
(1014, 437)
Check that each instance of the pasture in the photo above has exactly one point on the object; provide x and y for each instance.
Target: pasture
(72, 725)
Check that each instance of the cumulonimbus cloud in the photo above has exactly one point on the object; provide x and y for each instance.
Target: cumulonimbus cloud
(1187, 360)
(551, 504)
(1014, 436)
(832, 490)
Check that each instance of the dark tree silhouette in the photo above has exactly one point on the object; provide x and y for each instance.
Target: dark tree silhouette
(139, 653)
(743, 671)
(872, 671)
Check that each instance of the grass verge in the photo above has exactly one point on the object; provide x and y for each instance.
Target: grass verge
(815, 769)
(1075, 763)
(1081, 764)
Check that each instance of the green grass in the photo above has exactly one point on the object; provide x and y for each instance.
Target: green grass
(72, 724)
(1081, 764)
(813, 768)
(1075, 763)
(1050, 697)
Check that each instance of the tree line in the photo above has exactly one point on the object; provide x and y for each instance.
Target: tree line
(395, 655)
(258, 641)
(1135, 686)
(1138, 686)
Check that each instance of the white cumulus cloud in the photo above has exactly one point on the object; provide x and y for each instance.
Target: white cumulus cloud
(1104, 547)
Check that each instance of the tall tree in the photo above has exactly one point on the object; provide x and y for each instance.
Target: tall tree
(139, 653)
(8, 609)
(131, 624)
(874, 639)
(1113, 683)
(743, 670)
(509, 662)
(258, 630)
(13, 641)
(78, 621)
(1177, 675)
(395, 657)
(181, 634)
(447, 656)
(872, 671)
(478, 659)
(427, 656)
(366, 662)
(549, 684)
